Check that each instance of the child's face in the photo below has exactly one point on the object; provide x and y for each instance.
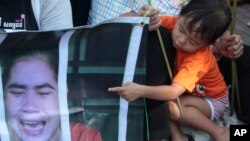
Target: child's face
(185, 40)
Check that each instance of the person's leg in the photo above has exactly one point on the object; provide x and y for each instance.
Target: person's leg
(176, 133)
(80, 11)
(243, 71)
(196, 114)
(156, 74)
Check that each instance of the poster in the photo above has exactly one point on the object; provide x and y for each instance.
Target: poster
(54, 84)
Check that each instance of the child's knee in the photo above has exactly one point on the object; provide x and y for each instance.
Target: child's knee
(174, 111)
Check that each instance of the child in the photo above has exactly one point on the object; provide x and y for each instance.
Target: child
(198, 81)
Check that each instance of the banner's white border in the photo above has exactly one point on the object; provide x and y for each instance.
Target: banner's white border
(133, 50)
(62, 85)
(132, 20)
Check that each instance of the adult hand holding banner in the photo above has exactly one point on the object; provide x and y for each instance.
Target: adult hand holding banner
(54, 84)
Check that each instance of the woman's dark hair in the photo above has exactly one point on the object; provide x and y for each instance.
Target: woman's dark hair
(209, 18)
(28, 45)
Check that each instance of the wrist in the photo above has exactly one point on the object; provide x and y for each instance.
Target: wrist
(216, 52)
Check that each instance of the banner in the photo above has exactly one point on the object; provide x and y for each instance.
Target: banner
(54, 84)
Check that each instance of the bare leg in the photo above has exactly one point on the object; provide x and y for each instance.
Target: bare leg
(196, 114)
(176, 133)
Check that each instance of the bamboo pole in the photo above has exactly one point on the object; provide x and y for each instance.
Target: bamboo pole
(166, 61)
(235, 84)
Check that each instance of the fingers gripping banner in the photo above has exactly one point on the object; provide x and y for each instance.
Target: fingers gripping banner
(54, 84)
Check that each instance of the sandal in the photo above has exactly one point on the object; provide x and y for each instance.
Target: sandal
(248, 24)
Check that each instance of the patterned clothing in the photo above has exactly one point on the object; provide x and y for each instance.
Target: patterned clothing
(218, 107)
(102, 10)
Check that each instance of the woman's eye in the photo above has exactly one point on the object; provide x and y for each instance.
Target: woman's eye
(17, 91)
(44, 91)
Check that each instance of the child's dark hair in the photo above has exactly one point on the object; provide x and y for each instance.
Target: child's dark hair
(212, 17)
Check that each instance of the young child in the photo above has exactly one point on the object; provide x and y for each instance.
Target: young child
(198, 81)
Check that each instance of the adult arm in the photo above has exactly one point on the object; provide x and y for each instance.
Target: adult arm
(52, 14)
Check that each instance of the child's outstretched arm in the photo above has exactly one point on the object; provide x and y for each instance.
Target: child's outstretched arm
(132, 91)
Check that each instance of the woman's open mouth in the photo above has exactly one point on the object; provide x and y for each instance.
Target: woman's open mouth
(32, 128)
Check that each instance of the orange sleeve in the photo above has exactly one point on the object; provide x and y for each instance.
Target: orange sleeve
(200, 69)
(191, 68)
(168, 21)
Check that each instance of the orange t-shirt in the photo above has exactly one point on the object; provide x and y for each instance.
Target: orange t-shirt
(79, 132)
(198, 72)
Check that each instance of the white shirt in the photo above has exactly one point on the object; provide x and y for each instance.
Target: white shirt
(52, 14)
